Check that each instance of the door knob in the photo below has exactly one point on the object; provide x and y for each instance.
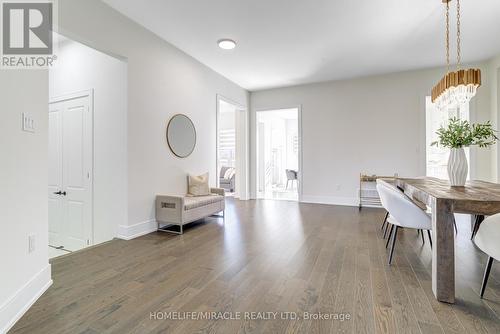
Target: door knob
(63, 193)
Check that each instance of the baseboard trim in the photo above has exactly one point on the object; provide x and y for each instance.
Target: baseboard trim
(136, 230)
(331, 200)
(13, 309)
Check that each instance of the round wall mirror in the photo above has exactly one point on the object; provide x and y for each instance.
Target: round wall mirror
(181, 135)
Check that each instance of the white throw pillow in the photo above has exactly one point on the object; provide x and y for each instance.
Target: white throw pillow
(198, 185)
(229, 173)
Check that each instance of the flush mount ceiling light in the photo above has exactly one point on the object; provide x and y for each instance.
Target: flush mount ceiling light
(460, 86)
(226, 44)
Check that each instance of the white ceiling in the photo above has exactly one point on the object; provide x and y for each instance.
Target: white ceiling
(289, 42)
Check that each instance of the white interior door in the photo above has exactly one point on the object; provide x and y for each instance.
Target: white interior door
(70, 174)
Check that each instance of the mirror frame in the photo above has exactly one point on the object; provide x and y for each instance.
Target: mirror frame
(195, 136)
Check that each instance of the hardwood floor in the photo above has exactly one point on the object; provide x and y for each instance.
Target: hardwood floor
(269, 256)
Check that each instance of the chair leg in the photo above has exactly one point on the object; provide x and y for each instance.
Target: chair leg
(430, 237)
(386, 229)
(473, 228)
(422, 235)
(486, 275)
(287, 184)
(394, 237)
(455, 225)
(385, 220)
(477, 223)
(389, 238)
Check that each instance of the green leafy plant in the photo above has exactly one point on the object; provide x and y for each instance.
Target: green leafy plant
(460, 133)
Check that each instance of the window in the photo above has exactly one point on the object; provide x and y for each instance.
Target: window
(227, 147)
(437, 157)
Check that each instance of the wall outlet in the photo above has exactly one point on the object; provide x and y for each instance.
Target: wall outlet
(31, 243)
(28, 122)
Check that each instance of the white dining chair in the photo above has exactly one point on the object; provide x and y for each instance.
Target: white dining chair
(382, 201)
(386, 224)
(402, 213)
(487, 239)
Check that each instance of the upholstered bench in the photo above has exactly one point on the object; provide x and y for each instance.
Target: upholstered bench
(173, 212)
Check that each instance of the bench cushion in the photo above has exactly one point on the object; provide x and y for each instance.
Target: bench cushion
(199, 201)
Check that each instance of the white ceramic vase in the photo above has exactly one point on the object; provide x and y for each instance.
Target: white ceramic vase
(457, 167)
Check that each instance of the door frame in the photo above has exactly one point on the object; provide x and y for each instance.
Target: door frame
(255, 163)
(71, 96)
(244, 174)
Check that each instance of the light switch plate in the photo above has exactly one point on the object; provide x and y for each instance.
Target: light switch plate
(28, 122)
(31, 243)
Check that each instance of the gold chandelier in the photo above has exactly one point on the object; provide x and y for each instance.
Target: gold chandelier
(459, 87)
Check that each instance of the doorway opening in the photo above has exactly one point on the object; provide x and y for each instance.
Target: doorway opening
(87, 147)
(278, 154)
(232, 148)
(226, 137)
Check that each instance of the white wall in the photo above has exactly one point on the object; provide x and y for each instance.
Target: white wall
(482, 158)
(162, 81)
(23, 192)
(83, 68)
(494, 79)
(370, 125)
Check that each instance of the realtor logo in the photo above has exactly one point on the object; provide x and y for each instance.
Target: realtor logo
(27, 34)
(27, 28)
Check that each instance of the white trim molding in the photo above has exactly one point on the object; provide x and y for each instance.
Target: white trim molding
(331, 200)
(134, 231)
(243, 149)
(14, 308)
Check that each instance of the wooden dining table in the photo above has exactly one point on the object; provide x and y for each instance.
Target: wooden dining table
(475, 198)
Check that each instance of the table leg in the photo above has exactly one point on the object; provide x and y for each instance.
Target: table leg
(443, 252)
